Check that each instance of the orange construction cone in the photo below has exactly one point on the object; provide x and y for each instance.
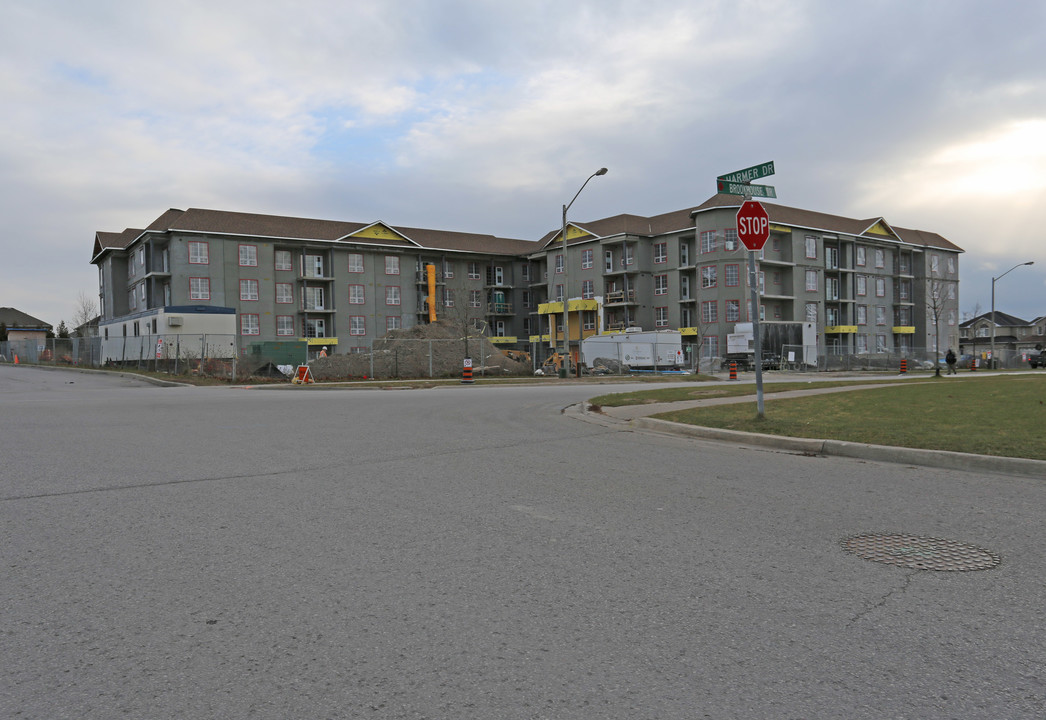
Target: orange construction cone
(16, 359)
(733, 370)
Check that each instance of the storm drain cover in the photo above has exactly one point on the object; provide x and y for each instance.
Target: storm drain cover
(920, 553)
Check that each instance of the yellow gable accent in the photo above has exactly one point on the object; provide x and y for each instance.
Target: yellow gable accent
(574, 233)
(379, 232)
(879, 229)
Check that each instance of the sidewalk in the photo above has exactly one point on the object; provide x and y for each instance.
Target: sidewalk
(638, 417)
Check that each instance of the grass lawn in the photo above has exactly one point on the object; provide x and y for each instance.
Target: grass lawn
(675, 394)
(1002, 416)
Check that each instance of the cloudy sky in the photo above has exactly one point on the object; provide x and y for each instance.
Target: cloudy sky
(486, 116)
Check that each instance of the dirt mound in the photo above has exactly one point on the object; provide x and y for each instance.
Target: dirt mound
(429, 350)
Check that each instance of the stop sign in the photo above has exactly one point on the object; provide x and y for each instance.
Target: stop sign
(753, 225)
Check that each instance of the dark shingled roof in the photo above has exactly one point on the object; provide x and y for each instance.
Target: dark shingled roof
(795, 217)
(221, 222)
(16, 319)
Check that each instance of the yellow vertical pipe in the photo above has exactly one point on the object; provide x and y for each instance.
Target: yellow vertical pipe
(430, 272)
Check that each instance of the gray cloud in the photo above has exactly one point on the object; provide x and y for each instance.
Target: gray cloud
(483, 116)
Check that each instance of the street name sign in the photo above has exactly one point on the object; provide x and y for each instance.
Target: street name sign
(753, 225)
(749, 174)
(727, 187)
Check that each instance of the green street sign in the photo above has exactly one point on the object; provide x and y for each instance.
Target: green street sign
(749, 174)
(725, 187)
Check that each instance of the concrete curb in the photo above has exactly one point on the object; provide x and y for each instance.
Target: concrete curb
(879, 453)
(132, 376)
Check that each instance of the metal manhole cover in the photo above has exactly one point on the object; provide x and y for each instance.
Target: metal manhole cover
(920, 553)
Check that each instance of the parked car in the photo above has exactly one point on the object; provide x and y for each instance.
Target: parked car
(1037, 359)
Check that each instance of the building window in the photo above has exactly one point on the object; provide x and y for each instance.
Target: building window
(831, 257)
(733, 310)
(284, 293)
(284, 325)
(392, 295)
(708, 241)
(314, 298)
(661, 284)
(684, 253)
(392, 322)
(862, 285)
(355, 262)
(710, 346)
(526, 272)
(708, 276)
(880, 315)
(448, 270)
(588, 320)
(660, 253)
(357, 295)
(811, 312)
(559, 264)
(282, 260)
(248, 256)
(199, 288)
(862, 314)
(709, 311)
(730, 242)
(661, 317)
(559, 293)
(880, 258)
(627, 259)
(248, 289)
(132, 299)
(935, 264)
(951, 317)
(588, 289)
(951, 265)
(473, 271)
(904, 289)
(831, 288)
(880, 343)
(198, 253)
(357, 325)
(862, 344)
(733, 275)
(811, 281)
(526, 298)
(448, 297)
(880, 287)
(861, 258)
(586, 259)
(684, 287)
(608, 258)
(475, 298)
(392, 265)
(811, 247)
(249, 324)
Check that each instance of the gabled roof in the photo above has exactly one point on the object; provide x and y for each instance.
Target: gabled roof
(872, 228)
(1001, 320)
(276, 227)
(113, 241)
(13, 318)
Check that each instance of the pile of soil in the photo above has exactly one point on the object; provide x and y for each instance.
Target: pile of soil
(405, 354)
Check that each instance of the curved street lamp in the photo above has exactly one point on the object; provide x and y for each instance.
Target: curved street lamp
(1030, 262)
(565, 357)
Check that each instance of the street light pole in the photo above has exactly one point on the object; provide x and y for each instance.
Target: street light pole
(564, 358)
(1030, 262)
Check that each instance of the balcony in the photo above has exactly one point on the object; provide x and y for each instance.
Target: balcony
(620, 297)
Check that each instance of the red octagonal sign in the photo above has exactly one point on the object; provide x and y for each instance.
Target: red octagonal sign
(753, 225)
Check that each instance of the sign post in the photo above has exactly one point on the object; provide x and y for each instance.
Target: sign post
(753, 230)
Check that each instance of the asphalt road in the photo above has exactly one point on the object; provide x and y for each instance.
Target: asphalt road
(472, 552)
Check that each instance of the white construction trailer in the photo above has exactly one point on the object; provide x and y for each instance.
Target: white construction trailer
(638, 349)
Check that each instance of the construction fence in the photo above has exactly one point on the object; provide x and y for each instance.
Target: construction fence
(234, 357)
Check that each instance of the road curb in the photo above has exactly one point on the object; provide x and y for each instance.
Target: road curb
(861, 451)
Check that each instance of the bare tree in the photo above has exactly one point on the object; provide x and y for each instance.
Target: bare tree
(85, 311)
(935, 304)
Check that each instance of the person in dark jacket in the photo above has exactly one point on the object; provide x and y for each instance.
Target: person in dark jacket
(950, 359)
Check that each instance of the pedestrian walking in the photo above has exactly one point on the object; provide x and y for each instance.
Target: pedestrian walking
(950, 359)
